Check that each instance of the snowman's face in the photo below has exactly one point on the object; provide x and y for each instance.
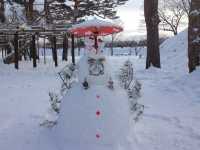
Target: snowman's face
(96, 66)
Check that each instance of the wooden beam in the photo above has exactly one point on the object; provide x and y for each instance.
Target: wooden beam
(2, 30)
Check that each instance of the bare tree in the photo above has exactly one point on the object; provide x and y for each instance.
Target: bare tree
(152, 22)
(171, 12)
(194, 36)
(186, 5)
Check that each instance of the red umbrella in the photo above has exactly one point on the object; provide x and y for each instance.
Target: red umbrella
(95, 28)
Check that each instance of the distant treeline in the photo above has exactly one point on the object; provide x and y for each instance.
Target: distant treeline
(131, 43)
(108, 44)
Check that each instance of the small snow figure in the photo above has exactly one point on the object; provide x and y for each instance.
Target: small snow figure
(110, 84)
(85, 84)
(126, 74)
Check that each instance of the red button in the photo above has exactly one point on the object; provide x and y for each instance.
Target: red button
(97, 136)
(98, 97)
(98, 113)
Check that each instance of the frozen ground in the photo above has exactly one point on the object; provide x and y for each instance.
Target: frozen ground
(171, 97)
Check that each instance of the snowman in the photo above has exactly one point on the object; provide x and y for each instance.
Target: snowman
(89, 45)
(94, 113)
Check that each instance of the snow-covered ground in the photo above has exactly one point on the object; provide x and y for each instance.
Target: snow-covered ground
(171, 97)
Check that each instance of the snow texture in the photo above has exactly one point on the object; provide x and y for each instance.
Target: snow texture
(170, 95)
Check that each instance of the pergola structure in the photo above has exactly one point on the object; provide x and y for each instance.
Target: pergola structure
(54, 15)
(18, 34)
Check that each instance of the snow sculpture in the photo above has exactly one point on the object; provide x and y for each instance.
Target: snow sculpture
(93, 117)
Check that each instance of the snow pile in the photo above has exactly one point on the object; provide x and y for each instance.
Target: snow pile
(174, 53)
(171, 99)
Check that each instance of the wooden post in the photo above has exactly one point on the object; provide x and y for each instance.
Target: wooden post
(65, 48)
(9, 50)
(55, 57)
(33, 49)
(44, 50)
(73, 49)
(20, 51)
(96, 43)
(38, 48)
(16, 50)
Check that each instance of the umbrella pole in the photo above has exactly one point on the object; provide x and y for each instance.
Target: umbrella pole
(96, 43)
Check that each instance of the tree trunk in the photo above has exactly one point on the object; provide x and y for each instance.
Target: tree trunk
(2, 11)
(73, 49)
(65, 48)
(152, 21)
(175, 32)
(16, 50)
(194, 36)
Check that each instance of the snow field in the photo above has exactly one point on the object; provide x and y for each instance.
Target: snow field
(170, 95)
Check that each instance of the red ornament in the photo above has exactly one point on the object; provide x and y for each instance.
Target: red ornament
(98, 113)
(98, 97)
(97, 136)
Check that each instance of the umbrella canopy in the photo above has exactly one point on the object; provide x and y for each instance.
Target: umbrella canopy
(95, 27)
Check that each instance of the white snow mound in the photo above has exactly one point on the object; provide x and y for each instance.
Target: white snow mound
(174, 53)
